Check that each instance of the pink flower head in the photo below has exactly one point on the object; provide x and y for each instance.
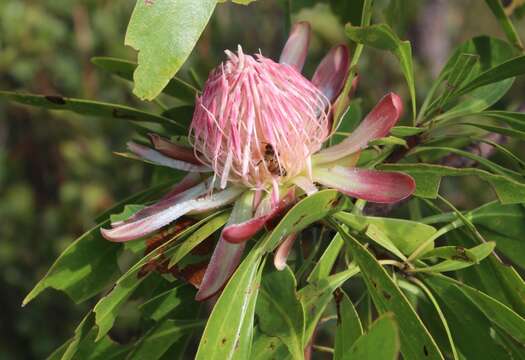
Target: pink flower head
(260, 125)
(258, 120)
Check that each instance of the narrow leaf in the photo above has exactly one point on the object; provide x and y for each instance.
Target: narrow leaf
(124, 69)
(280, 312)
(416, 341)
(380, 342)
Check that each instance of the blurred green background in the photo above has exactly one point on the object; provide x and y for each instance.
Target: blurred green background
(57, 170)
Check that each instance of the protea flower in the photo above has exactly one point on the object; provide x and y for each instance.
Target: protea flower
(257, 134)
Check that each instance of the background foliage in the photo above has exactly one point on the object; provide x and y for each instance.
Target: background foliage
(57, 171)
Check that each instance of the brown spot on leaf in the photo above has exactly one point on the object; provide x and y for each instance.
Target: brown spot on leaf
(57, 100)
(120, 114)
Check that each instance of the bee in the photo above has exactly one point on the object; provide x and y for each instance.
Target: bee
(271, 161)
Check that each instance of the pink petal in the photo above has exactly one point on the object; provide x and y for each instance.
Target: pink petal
(226, 256)
(225, 259)
(296, 48)
(305, 184)
(177, 194)
(371, 185)
(172, 150)
(157, 158)
(159, 215)
(188, 181)
(330, 75)
(240, 232)
(376, 124)
(281, 255)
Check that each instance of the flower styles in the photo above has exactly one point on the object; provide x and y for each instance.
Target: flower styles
(259, 127)
(258, 121)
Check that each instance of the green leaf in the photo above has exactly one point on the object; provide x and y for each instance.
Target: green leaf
(428, 178)
(494, 310)
(85, 268)
(489, 165)
(106, 310)
(349, 327)
(405, 131)
(505, 23)
(223, 330)
(514, 119)
(169, 302)
(164, 33)
(326, 262)
(458, 74)
(462, 259)
(499, 130)
(463, 317)
(508, 69)
(89, 264)
(382, 37)
(267, 348)
(124, 69)
(389, 140)
(159, 339)
(84, 346)
(317, 295)
(380, 342)
(448, 252)
(416, 341)
(500, 281)
(280, 312)
(129, 209)
(89, 107)
(504, 224)
(181, 114)
(405, 235)
(478, 100)
(491, 52)
(307, 211)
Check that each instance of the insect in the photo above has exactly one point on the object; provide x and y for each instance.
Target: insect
(271, 161)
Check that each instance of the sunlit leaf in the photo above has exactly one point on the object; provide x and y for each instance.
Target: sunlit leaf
(309, 210)
(164, 33)
(404, 236)
(223, 330)
(84, 269)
